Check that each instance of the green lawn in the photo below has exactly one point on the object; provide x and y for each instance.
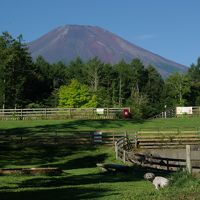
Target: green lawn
(81, 178)
(99, 124)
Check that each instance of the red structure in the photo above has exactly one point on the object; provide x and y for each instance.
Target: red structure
(126, 113)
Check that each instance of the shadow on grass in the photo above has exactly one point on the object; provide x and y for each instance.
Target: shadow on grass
(91, 124)
(19, 147)
(132, 174)
(71, 125)
(86, 179)
(82, 162)
(69, 186)
(58, 194)
(25, 155)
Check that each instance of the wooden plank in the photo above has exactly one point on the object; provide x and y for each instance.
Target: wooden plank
(161, 158)
(188, 159)
(166, 136)
(166, 141)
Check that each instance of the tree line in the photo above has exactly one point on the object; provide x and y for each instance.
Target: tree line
(25, 83)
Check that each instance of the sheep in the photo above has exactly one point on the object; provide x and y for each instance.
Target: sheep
(158, 181)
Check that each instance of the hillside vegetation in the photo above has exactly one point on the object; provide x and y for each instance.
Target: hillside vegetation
(28, 83)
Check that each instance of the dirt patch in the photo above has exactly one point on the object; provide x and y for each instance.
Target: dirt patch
(31, 171)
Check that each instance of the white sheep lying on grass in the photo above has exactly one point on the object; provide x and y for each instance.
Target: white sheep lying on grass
(158, 181)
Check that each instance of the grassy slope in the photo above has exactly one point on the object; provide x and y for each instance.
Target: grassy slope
(81, 178)
(99, 124)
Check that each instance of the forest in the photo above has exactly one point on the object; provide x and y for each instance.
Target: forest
(28, 83)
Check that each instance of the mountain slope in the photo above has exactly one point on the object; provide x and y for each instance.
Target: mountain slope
(68, 42)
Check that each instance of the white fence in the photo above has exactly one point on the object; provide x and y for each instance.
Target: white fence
(61, 113)
(192, 111)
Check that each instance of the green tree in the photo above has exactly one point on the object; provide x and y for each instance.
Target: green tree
(107, 94)
(92, 72)
(177, 87)
(193, 98)
(194, 77)
(47, 79)
(58, 74)
(123, 71)
(194, 72)
(76, 95)
(137, 79)
(138, 76)
(15, 65)
(154, 90)
(75, 70)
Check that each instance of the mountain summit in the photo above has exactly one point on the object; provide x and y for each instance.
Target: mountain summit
(68, 42)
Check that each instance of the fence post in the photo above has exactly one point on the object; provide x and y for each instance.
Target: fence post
(116, 151)
(188, 159)
(167, 165)
(92, 137)
(70, 113)
(124, 156)
(21, 113)
(125, 134)
(136, 140)
(45, 113)
(56, 137)
(3, 109)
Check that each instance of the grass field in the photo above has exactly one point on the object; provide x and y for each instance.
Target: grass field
(99, 124)
(81, 178)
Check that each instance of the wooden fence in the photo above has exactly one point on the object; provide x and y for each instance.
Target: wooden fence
(61, 113)
(134, 146)
(124, 151)
(137, 139)
(171, 113)
(163, 138)
(167, 138)
(140, 139)
(196, 111)
(60, 137)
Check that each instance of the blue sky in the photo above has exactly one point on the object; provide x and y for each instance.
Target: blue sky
(169, 28)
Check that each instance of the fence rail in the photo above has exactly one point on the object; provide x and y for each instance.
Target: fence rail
(125, 153)
(171, 113)
(60, 113)
(143, 138)
(60, 137)
(128, 144)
